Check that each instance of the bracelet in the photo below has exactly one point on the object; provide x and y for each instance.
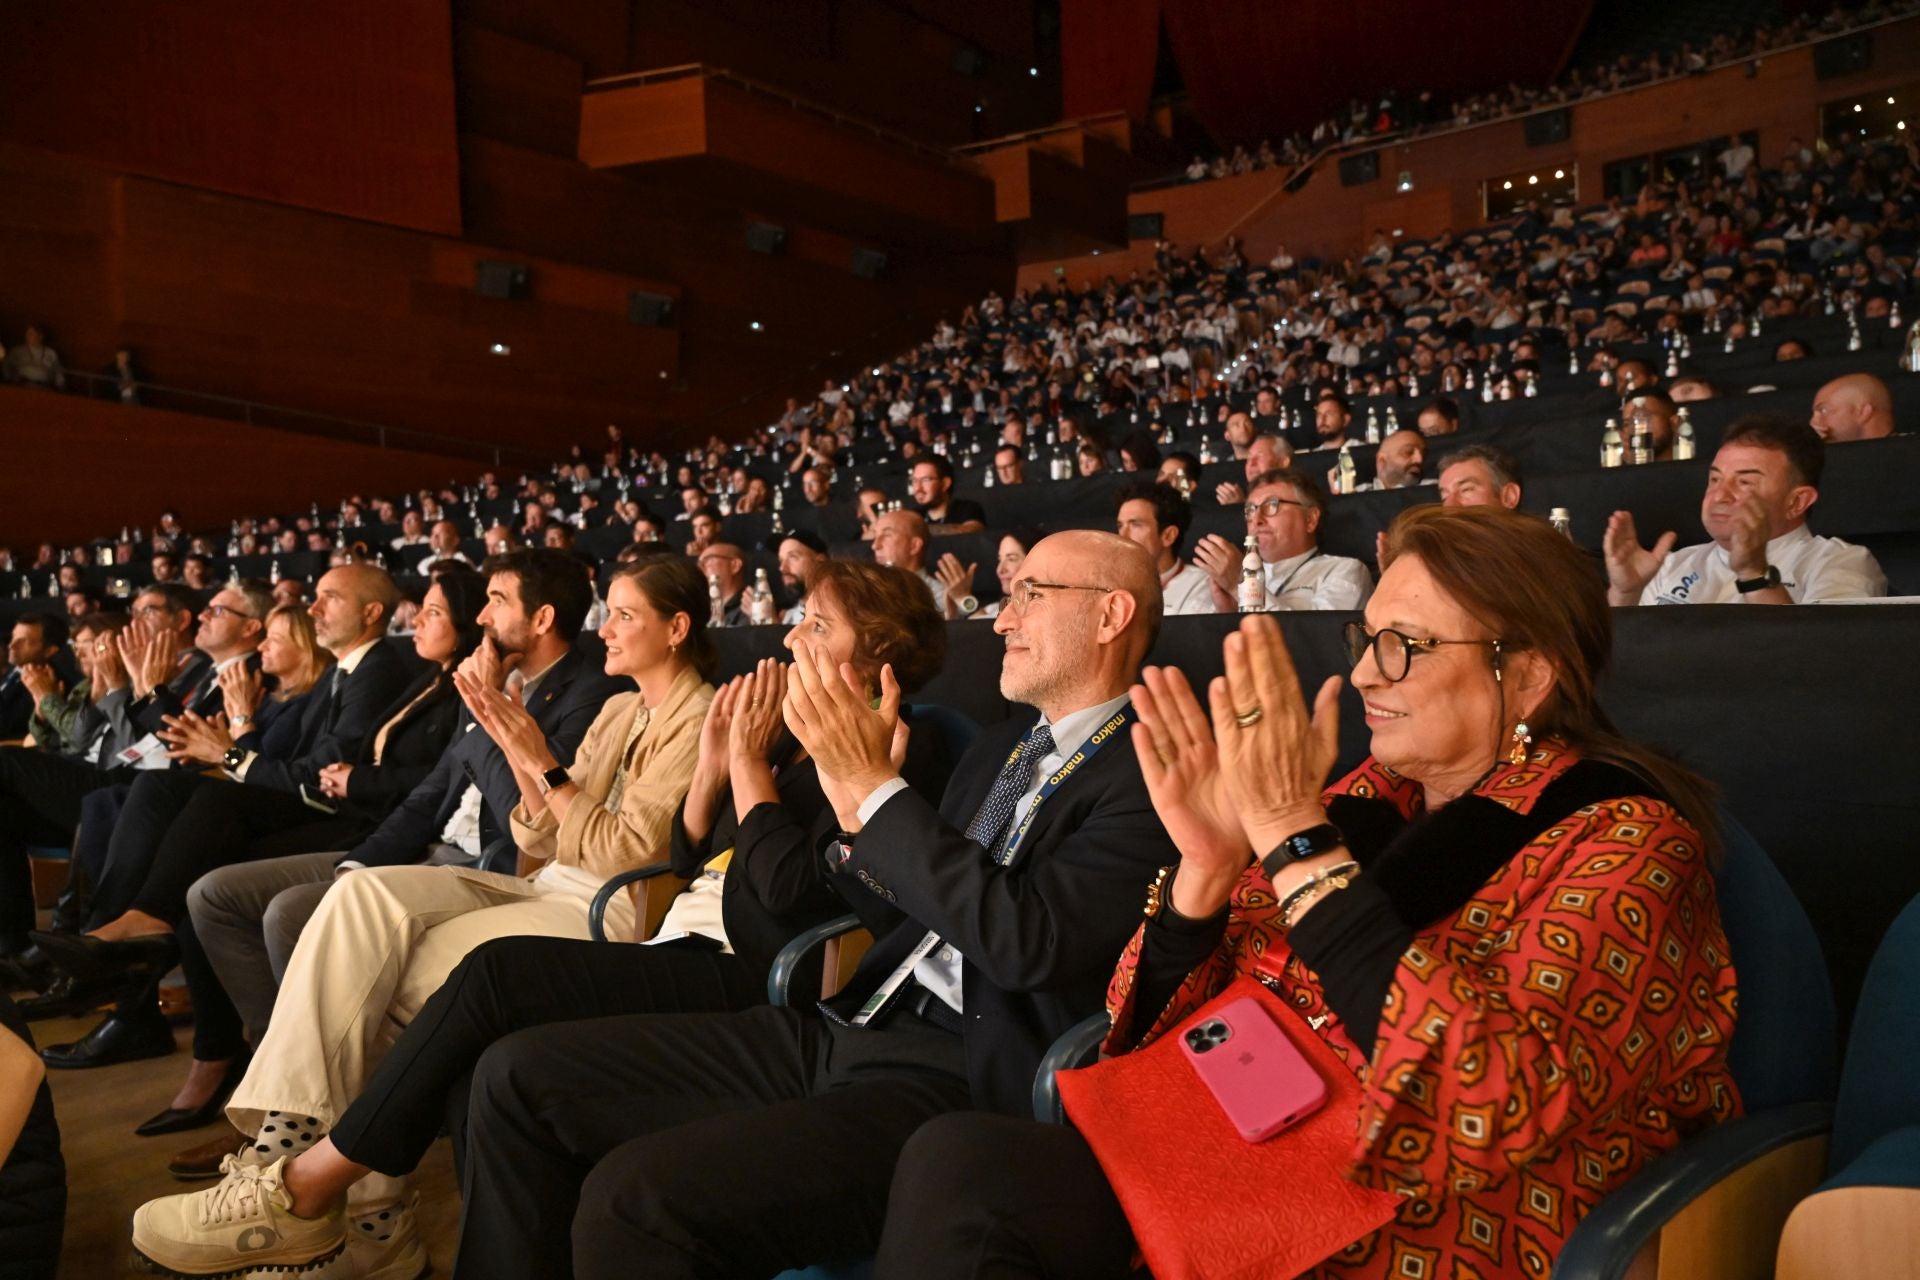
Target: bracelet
(1325, 880)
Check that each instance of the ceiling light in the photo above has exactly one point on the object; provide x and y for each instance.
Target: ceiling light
(1506, 186)
(1034, 71)
(1856, 106)
(500, 348)
(754, 325)
(1532, 178)
(1559, 173)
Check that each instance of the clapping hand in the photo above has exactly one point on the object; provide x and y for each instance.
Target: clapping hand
(956, 578)
(1748, 531)
(39, 680)
(194, 737)
(850, 741)
(716, 731)
(512, 728)
(757, 711)
(1274, 755)
(1181, 766)
(242, 690)
(1630, 566)
(1230, 494)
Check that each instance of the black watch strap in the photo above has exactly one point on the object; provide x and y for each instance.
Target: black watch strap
(1310, 843)
(1746, 586)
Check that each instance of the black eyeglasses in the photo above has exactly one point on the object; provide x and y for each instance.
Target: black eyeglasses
(1393, 650)
(1021, 597)
(225, 611)
(1270, 508)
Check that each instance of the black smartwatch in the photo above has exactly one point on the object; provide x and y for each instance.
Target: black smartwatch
(233, 759)
(554, 777)
(1310, 843)
(1746, 586)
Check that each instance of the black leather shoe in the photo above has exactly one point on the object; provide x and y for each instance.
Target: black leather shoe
(91, 959)
(176, 1120)
(119, 1038)
(27, 970)
(67, 997)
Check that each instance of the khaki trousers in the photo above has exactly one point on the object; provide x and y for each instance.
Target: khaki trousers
(381, 942)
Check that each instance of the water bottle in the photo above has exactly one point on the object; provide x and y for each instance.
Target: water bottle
(1573, 363)
(273, 571)
(1683, 447)
(1486, 389)
(1673, 361)
(1373, 426)
(1910, 355)
(716, 604)
(1532, 386)
(1348, 473)
(1854, 342)
(1562, 521)
(1610, 451)
(762, 613)
(1253, 587)
(1893, 315)
(1642, 443)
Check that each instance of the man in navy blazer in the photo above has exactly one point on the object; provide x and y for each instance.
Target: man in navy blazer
(754, 1142)
(248, 917)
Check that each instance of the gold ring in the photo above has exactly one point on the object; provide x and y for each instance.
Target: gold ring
(1247, 719)
(754, 703)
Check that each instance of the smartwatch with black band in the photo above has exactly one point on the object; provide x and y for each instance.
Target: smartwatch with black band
(1310, 843)
(554, 777)
(1747, 586)
(233, 759)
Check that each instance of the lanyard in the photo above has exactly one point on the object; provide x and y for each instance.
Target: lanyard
(895, 981)
(1101, 737)
(1288, 580)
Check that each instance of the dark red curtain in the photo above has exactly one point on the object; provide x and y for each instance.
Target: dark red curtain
(1254, 68)
(1107, 54)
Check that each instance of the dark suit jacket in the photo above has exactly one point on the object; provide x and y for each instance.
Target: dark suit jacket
(1040, 938)
(337, 720)
(414, 744)
(563, 706)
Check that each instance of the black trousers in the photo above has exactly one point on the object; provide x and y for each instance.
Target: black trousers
(177, 825)
(693, 1145)
(40, 797)
(977, 1196)
(507, 985)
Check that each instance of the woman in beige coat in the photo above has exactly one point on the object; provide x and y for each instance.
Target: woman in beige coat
(385, 938)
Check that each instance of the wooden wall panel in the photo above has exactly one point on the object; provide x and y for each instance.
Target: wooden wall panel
(346, 107)
(77, 466)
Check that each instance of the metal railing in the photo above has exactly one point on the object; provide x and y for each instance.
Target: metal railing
(154, 395)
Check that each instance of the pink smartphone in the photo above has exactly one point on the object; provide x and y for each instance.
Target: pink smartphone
(1256, 1074)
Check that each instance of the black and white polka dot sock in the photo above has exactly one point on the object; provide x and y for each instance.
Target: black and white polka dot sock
(284, 1133)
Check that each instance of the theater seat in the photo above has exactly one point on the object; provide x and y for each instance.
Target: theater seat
(1863, 1222)
(1715, 1207)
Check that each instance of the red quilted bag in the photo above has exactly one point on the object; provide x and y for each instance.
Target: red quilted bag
(1204, 1203)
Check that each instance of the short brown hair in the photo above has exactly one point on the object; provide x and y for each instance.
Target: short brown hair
(1535, 590)
(892, 615)
(672, 585)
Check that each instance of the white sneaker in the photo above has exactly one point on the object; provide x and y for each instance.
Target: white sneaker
(241, 1224)
(383, 1244)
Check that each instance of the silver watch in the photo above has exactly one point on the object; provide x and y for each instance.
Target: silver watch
(967, 605)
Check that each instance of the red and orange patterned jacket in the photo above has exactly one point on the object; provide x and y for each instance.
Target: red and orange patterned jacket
(1564, 1026)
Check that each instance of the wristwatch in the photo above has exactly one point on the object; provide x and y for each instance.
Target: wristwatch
(239, 722)
(1310, 843)
(554, 777)
(967, 605)
(1746, 586)
(233, 759)
(838, 851)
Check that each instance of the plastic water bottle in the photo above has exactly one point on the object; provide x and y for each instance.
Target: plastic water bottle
(1253, 588)
(1910, 355)
(762, 610)
(1348, 473)
(1683, 444)
(1373, 426)
(716, 604)
(1611, 454)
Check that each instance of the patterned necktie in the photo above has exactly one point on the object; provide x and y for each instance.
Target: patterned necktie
(989, 826)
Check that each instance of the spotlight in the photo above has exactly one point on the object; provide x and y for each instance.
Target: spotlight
(1506, 186)
(1559, 173)
(1532, 178)
(500, 348)
(754, 325)
(1034, 71)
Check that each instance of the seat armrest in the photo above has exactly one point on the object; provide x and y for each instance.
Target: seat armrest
(780, 976)
(1608, 1239)
(1075, 1047)
(597, 910)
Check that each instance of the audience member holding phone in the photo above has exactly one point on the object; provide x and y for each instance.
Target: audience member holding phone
(1468, 922)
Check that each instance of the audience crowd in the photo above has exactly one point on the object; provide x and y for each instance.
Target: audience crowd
(1397, 115)
(382, 780)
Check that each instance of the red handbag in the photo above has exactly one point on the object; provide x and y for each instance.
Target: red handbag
(1204, 1203)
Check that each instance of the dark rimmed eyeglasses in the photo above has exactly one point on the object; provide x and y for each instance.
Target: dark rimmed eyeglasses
(1393, 650)
(225, 611)
(1269, 508)
(1021, 596)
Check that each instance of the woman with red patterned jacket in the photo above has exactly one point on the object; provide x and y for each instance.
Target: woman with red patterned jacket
(1503, 923)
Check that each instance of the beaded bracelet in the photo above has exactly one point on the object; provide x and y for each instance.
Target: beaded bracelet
(1322, 881)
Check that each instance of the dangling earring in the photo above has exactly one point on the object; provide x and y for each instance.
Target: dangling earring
(1522, 744)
